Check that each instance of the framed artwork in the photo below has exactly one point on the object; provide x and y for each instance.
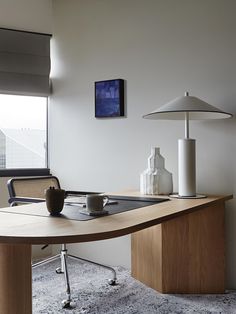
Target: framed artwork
(109, 98)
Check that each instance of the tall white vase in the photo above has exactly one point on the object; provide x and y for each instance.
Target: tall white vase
(156, 180)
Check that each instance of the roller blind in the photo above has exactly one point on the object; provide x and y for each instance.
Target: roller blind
(24, 63)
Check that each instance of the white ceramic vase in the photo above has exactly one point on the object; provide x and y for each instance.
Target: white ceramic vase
(156, 180)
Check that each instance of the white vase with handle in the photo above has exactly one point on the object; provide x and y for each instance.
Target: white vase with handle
(156, 180)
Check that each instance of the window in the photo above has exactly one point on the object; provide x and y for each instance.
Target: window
(24, 87)
(23, 132)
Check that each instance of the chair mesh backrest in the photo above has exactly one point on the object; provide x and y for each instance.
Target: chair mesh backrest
(32, 187)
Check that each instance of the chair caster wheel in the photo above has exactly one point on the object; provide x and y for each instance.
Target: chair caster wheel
(68, 304)
(112, 282)
(59, 271)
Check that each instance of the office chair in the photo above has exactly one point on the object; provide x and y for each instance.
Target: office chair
(31, 190)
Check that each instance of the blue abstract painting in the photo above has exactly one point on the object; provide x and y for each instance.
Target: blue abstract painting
(109, 98)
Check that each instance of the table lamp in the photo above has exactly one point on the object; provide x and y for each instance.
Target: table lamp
(186, 108)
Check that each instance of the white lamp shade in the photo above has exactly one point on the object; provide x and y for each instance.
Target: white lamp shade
(197, 109)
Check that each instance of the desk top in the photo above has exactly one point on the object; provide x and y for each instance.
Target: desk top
(26, 229)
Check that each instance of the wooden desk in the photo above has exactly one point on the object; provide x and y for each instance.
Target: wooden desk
(177, 246)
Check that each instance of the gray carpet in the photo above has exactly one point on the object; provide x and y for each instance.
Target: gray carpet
(93, 295)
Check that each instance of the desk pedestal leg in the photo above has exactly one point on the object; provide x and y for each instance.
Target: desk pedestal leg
(183, 255)
(15, 279)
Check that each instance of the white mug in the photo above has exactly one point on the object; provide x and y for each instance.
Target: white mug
(96, 202)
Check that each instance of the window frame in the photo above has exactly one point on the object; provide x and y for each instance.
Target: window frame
(19, 172)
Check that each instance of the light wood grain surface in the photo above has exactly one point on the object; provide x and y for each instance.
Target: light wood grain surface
(183, 255)
(27, 229)
(15, 279)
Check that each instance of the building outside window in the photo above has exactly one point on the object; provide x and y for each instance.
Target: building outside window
(23, 132)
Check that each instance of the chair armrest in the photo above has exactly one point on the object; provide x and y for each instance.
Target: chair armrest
(15, 200)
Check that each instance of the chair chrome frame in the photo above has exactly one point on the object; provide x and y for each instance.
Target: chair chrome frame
(15, 200)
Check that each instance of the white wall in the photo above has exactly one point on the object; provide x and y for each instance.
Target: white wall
(28, 15)
(162, 48)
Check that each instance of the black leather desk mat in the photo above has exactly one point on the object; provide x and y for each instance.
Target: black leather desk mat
(124, 204)
(71, 212)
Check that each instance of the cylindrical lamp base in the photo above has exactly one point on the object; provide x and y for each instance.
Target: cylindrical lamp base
(187, 167)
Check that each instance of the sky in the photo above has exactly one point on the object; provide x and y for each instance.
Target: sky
(18, 112)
